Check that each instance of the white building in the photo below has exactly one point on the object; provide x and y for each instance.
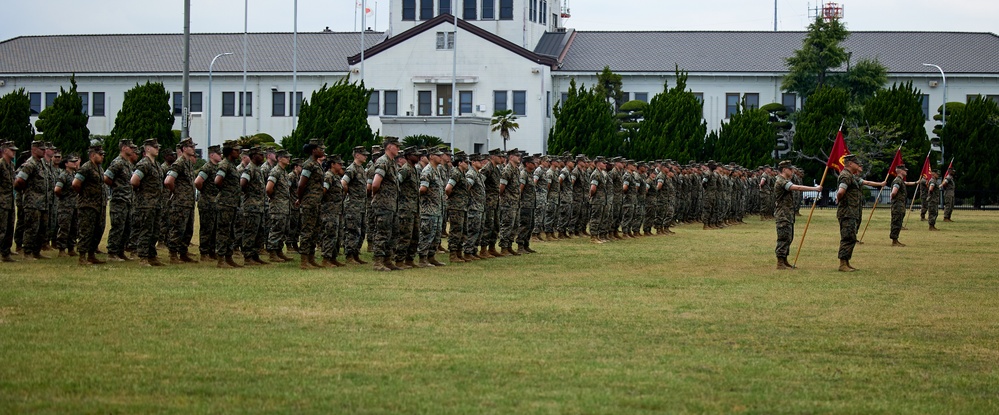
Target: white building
(513, 54)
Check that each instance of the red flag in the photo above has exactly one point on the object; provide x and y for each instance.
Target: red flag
(949, 166)
(926, 169)
(838, 151)
(897, 161)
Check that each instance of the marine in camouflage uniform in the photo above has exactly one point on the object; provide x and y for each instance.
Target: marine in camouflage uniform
(710, 183)
(509, 203)
(551, 203)
(384, 206)
(431, 209)
(783, 192)
(541, 185)
(181, 177)
(116, 177)
(295, 214)
(369, 173)
(147, 182)
(933, 200)
(948, 185)
(7, 214)
(88, 182)
(278, 190)
(629, 198)
(598, 202)
(528, 203)
(565, 197)
(254, 209)
(355, 179)
(616, 176)
(409, 210)
(207, 206)
(69, 220)
(331, 212)
(490, 216)
(849, 199)
(33, 181)
(457, 190)
(167, 220)
(476, 204)
(651, 200)
(898, 197)
(580, 186)
(309, 196)
(227, 202)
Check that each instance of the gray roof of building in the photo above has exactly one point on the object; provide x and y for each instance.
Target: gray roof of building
(900, 52)
(158, 53)
(552, 44)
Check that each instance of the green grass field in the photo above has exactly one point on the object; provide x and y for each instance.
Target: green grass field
(698, 322)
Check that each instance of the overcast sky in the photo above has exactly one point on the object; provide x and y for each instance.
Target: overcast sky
(49, 17)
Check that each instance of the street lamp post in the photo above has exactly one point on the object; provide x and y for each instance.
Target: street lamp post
(943, 118)
(210, 66)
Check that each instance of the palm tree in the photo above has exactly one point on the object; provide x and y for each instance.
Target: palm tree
(422, 140)
(504, 122)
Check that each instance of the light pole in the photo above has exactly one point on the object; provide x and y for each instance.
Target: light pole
(210, 66)
(943, 118)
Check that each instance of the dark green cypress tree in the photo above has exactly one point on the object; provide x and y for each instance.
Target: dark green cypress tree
(970, 138)
(748, 139)
(145, 113)
(900, 107)
(15, 118)
(336, 114)
(816, 127)
(64, 123)
(673, 124)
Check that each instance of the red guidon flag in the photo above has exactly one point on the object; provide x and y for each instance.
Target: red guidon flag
(897, 161)
(926, 169)
(838, 151)
(949, 167)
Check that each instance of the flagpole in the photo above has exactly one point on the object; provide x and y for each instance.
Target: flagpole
(873, 209)
(921, 195)
(814, 202)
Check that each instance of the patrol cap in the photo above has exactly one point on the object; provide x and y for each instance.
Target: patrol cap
(361, 150)
(215, 149)
(125, 143)
(99, 149)
(187, 142)
(38, 144)
(376, 148)
(49, 145)
(390, 140)
(334, 159)
(784, 164)
(315, 142)
(244, 152)
(496, 152)
(851, 157)
(580, 157)
(513, 152)
(282, 153)
(902, 167)
(255, 150)
(151, 143)
(268, 150)
(436, 151)
(410, 151)
(529, 159)
(600, 159)
(296, 161)
(231, 144)
(9, 145)
(72, 158)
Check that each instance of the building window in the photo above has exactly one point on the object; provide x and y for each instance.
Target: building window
(565, 97)
(506, 10)
(967, 99)
(443, 7)
(426, 102)
(445, 40)
(625, 97)
(246, 106)
(468, 12)
(408, 9)
(35, 102)
(426, 9)
(373, 103)
(993, 98)
(228, 104)
(731, 105)
(699, 96)
(499, 100)
(178, 103)
(924, 100)
(277, 104)
(752, 101)
(196, 102)
(297, 108)
(85, 98)
(548, 104)
(98, 104)
(544, 12)
(391, 103)
(534, 10)
(51, 96)
(642, 96)
(790, 102)
(464, 102)
(520, 102)
(488, 9)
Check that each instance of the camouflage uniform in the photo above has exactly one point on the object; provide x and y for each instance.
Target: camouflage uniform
(36, 204)
(457, 204)
(254, 210)
(227, 203)
(384, 207)
(564, 201)
(848, 213)
(6, 207)
(528, 202)
(90, 205)
(409, 213)
(616, 177)
(295, 214)
(310, 201)
(120, 172)
(354, 210)
(933, 201)
(651, 203)
(490, 216)
(541, 185)
(476, 203)
(181, 205)
(551, 204)
(898, 207)
(166, 222)
(628, 200)
(208, 209)
(431, 210)
(279, 208)
(331, 214)
(922, 187)
(69, 220)
(580, 187)
(509, 205)
(148, 202)
(783, 215)
(710, 183)
(598, 203)
(948, 185)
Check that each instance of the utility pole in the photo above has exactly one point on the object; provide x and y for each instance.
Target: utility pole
(186, 95)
